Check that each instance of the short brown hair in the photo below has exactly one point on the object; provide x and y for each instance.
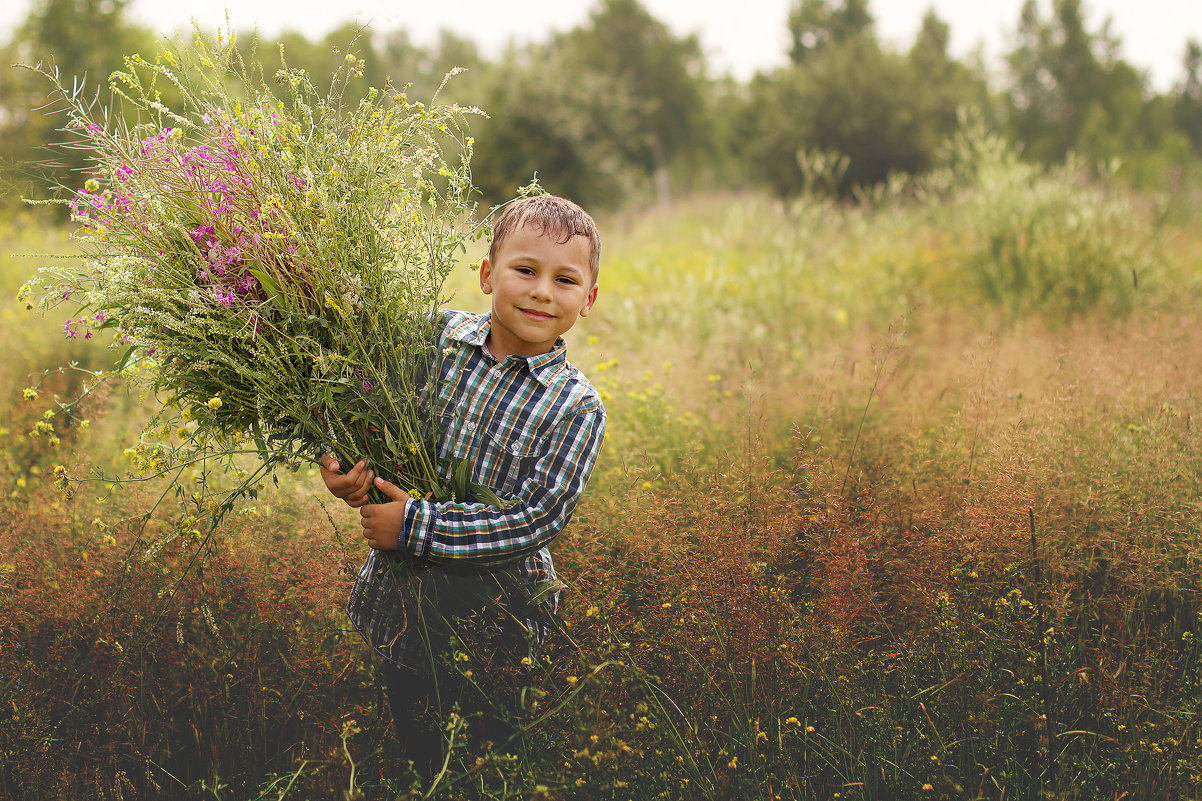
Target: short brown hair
(554, 216)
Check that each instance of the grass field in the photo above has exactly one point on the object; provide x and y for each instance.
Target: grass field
(898, 500)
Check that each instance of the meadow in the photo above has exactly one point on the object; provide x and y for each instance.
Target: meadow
(899, 499)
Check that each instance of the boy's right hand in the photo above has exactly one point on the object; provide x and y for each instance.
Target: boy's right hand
(352, 486)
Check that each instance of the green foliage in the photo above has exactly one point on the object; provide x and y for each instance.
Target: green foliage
(576, 134)
(661, 72)
(84, 40)
(1187, 106)
(814, 25)
(640, 119)
(1070, 93)
(1047, 240)
(883, 111)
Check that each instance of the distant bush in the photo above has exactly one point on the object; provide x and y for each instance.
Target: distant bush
(1044, 240)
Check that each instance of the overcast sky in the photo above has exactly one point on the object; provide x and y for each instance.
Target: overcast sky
(739, 37)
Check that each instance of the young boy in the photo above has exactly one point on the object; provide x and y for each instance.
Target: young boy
(528, 423)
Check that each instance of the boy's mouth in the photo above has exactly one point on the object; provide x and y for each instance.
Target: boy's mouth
(535, 315)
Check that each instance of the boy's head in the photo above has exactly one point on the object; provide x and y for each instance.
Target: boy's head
(541, 271)
(557, 217)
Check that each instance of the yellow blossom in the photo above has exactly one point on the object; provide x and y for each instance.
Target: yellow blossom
(215, 403)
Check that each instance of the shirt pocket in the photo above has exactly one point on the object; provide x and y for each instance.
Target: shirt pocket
(509, 454)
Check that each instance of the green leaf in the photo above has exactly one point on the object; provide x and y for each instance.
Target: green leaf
(267, 282)
(125, 357)
(258, 435)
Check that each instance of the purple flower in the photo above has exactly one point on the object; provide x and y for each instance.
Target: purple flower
(366, 386)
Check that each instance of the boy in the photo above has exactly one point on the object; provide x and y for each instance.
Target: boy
(529, 424)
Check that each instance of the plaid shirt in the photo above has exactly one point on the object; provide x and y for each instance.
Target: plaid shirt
(530, 427)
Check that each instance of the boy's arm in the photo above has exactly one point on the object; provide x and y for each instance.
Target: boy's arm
(454, 531)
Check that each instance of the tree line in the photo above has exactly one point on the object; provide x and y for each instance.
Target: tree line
(620, 110)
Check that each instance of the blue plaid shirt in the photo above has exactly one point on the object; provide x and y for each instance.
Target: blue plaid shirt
(530, 427)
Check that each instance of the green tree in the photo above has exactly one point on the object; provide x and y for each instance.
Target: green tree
(647, 62)
(853, 99)
(83, 38)
(1187, 102)
(815, 24)
(574, 127)
(1069, 90)
(846, 100)
(945, 85)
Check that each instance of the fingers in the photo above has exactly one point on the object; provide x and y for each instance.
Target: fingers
(353, 486)
(391, 490)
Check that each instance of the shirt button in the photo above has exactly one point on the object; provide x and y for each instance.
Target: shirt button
(471, 426)
(514, 448)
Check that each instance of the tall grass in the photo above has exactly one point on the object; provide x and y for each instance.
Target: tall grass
(869, 523)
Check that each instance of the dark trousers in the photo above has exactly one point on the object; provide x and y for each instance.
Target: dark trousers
(415, 716)
(421, 697)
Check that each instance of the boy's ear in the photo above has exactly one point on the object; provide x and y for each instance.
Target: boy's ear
(588, 305)
(486, 276)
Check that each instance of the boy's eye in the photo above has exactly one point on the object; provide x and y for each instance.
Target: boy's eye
(524, 270)
(565, 279)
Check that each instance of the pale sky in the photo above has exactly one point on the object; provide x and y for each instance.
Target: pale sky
(738, 37)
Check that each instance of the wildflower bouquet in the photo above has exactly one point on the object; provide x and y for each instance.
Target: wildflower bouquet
(269, 260)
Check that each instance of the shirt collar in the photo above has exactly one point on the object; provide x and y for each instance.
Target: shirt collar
(543, 366)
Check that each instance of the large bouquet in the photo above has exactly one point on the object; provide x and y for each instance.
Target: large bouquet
(271, 258)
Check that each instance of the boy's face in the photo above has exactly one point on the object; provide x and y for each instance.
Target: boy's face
(539, 287)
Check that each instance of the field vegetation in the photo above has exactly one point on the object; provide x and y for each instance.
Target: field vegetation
(900, 499)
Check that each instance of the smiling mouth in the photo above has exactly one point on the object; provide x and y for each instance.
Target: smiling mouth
(536, 315)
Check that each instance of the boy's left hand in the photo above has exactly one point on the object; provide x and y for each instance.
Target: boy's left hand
(382, 522)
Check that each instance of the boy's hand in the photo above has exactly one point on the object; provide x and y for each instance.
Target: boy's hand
(382, 522)
(351, 487)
